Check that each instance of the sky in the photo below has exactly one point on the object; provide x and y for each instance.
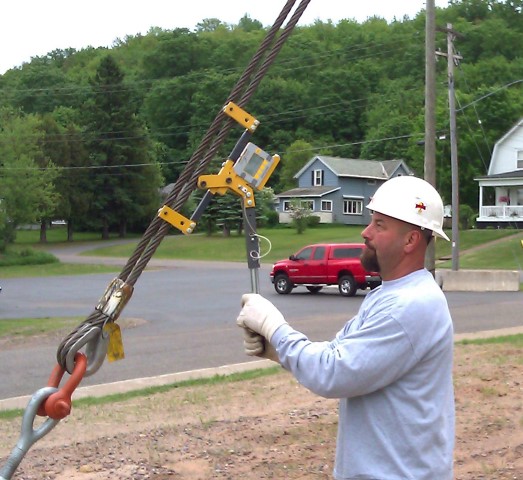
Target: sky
(31, 28)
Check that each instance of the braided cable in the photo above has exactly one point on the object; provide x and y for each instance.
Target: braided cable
(186, 182)
(196, 166)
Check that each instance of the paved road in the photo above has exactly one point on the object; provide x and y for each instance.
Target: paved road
(184, 315)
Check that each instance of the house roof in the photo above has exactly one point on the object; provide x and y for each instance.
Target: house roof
(511, 131)
(308, 192)
(167, 189)
(498, 144)
(352, 167)
(513, 174)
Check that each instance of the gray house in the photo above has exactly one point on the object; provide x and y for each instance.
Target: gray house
(501, 190)
(337, 189)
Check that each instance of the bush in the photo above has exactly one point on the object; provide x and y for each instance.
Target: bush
(26, 256)
(467, 217)
(313, 221)
(273, 218)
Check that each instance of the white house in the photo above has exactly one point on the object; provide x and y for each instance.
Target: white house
(501, 190)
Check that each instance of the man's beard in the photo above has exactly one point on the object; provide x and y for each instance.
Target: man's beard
(369, 260)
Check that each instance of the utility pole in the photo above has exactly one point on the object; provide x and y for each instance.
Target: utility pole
(453, 60)
(430, 114)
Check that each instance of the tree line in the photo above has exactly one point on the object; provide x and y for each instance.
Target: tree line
(92, 135)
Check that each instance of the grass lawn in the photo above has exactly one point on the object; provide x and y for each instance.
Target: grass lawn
(52, 269)
(55, 236)
(279, 243)
(27, 327)
(275, 244)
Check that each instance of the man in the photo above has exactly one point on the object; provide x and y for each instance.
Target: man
(390, 365)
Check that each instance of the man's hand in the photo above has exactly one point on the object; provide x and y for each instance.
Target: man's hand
(259, 315)
(256, 346)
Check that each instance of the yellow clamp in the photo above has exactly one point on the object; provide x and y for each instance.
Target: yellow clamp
(177, 220)
(116, 296)
(227, 179)
(241, 116)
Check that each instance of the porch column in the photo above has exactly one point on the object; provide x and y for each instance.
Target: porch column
(480, 200)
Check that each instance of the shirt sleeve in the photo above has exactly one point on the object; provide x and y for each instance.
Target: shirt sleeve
(357, 362)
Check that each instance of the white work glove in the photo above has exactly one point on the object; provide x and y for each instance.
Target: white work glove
(256, 346)
(259, 315)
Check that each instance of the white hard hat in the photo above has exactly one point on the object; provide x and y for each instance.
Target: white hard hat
(411, 200)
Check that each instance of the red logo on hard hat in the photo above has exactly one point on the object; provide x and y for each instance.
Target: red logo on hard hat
(420, 206)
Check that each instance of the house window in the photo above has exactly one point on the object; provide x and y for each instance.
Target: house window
(519, 161)
(287, 205)
(308, 204)
(317, 178)
(352, 207)
(326, 205)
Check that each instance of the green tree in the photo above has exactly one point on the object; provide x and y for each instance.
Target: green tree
(266, 214)
(300, 215)
(26, 191)
(248, 24)
(125, 177)
(40, 87)
(63, 143)
(170, 121)
(209, 25)
(350, 89)
(295, 157)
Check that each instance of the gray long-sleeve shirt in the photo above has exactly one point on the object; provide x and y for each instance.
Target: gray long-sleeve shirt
(391, 368)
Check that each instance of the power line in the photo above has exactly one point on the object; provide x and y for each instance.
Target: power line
(490, 93)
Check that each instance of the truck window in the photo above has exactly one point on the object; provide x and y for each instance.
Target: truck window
(305, 254)
(319, 253)
(346, 252)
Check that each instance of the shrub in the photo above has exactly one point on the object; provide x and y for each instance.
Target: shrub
(313, 221)
(26, 256)
(273, 218)
(467, 216)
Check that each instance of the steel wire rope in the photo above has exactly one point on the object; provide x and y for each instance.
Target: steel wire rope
(257, 78)
(186, 182)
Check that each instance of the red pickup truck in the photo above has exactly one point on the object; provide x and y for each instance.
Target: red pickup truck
(316, 266)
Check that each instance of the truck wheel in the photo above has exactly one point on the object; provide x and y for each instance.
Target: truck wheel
(347, 286)
(282, 284)
(314, 289)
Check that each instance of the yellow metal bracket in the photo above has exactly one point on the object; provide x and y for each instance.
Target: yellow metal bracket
(276, 160)
(241, 116)
(177, 220)
(227, 179)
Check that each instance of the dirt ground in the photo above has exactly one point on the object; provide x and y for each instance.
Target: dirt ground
(270, 427)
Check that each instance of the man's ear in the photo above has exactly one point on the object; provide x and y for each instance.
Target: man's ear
(413, 238)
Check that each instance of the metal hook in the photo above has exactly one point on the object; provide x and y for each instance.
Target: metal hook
(28, 434)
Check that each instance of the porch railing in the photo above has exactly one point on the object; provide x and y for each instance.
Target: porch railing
(501, 212)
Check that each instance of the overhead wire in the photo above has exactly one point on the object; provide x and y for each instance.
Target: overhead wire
(478, 121)
(135, 85)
